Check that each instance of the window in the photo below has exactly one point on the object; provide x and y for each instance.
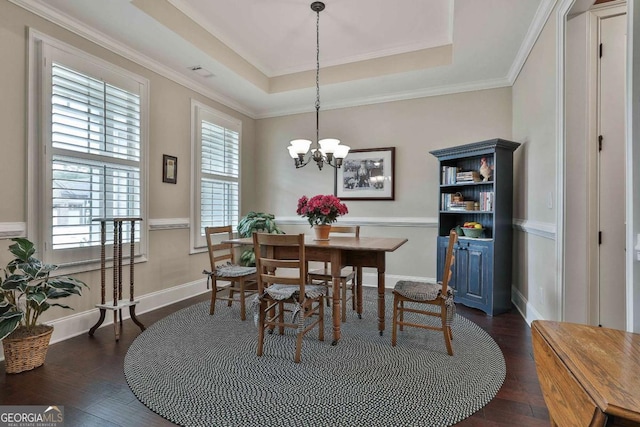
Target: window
(216, 154)
(93, 134)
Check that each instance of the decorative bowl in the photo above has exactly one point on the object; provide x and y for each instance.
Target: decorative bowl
(472, 232)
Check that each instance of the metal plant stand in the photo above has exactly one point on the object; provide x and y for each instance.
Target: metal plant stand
(118, 302)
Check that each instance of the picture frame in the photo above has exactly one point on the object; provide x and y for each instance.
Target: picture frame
(169, 169)
(366, 174)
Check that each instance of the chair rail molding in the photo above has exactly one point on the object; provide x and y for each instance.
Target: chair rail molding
(371, 221)
(168, 223)
(540, 229)
(9, 230)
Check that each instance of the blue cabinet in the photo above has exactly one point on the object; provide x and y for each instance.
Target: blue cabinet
(482, 266)
(472, 275)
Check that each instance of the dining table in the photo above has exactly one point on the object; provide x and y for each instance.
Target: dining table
(341, 251)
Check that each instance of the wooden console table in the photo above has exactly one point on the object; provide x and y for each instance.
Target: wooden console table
(590, 376)
(118, 303)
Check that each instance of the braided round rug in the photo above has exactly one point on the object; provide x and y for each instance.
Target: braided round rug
(200, 370)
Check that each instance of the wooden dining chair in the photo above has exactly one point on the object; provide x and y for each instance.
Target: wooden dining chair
(230, 281)
(286, 293)
(348, 275)
(408, 297)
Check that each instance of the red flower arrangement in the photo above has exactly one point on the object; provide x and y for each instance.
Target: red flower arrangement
(321, 209)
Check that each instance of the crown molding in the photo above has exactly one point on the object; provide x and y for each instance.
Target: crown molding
(537, 25)
(82, 30)
(126, 52)
(399, 96)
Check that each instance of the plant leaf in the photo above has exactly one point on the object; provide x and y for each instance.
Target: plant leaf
(14, 281)
(5, 307)
(37, 297)
(65, 282)
(22, 249)
(9, 322)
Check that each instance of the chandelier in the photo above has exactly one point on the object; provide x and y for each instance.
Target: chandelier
(327, 150)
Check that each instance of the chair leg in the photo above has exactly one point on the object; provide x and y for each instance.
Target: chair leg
(305, 309)
(243, 315)
(321, 323)
(261, 328)
(354, 295)
(445, 329)
(344, 300)
(394, 322)
(401, 303)
(281, 318)
(214, 289)
(230, 295)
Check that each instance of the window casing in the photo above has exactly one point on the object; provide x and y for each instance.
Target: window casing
(216, 171)
(91, 147)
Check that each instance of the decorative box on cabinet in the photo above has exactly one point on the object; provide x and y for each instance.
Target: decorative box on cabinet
(482, 267)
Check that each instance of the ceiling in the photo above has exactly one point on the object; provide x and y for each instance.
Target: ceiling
(259, 56)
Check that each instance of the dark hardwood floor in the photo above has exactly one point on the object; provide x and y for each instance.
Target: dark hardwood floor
(85, 375)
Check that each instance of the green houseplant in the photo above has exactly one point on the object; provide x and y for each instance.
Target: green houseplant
(255, 221)
(25, 293)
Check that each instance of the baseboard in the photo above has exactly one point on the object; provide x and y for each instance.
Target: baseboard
(528, 313)
(80, 323)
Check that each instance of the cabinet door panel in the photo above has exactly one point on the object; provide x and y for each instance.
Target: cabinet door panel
(477, 269)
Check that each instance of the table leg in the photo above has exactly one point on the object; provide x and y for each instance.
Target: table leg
(381, 289)
(359, 291)
(132, 313)
(99, 322)
(336, 266)
(116, 325)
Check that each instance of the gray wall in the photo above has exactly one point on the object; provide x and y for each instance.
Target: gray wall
(169, 262)
(414, 127)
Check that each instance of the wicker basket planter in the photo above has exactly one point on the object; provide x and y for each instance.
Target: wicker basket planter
(26, 353)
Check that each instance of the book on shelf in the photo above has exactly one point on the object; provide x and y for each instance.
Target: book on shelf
(486, 200)
(448, 175)
(468, 176)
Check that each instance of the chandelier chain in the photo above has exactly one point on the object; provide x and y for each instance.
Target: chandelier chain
(318, 60)
(332, 153)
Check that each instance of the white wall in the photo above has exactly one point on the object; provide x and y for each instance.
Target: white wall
(576, 308)
(534, 125)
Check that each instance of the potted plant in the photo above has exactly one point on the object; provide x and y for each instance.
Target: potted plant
(321, 211)
(25, 292)
(259, 222)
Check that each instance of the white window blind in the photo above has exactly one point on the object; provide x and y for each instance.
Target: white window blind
(95, 157)
(217, 149)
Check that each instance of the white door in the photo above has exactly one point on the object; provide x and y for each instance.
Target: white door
(611, 173)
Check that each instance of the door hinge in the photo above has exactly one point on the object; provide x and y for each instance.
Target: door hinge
(600, 142)
(600, 48)
(599, 237)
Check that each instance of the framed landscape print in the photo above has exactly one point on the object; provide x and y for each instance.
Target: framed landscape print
(366, 174)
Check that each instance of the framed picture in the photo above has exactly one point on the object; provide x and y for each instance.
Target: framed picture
(366, 174)
(169, 169)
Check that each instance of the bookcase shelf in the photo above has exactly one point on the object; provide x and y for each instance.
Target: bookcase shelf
(482, 268)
